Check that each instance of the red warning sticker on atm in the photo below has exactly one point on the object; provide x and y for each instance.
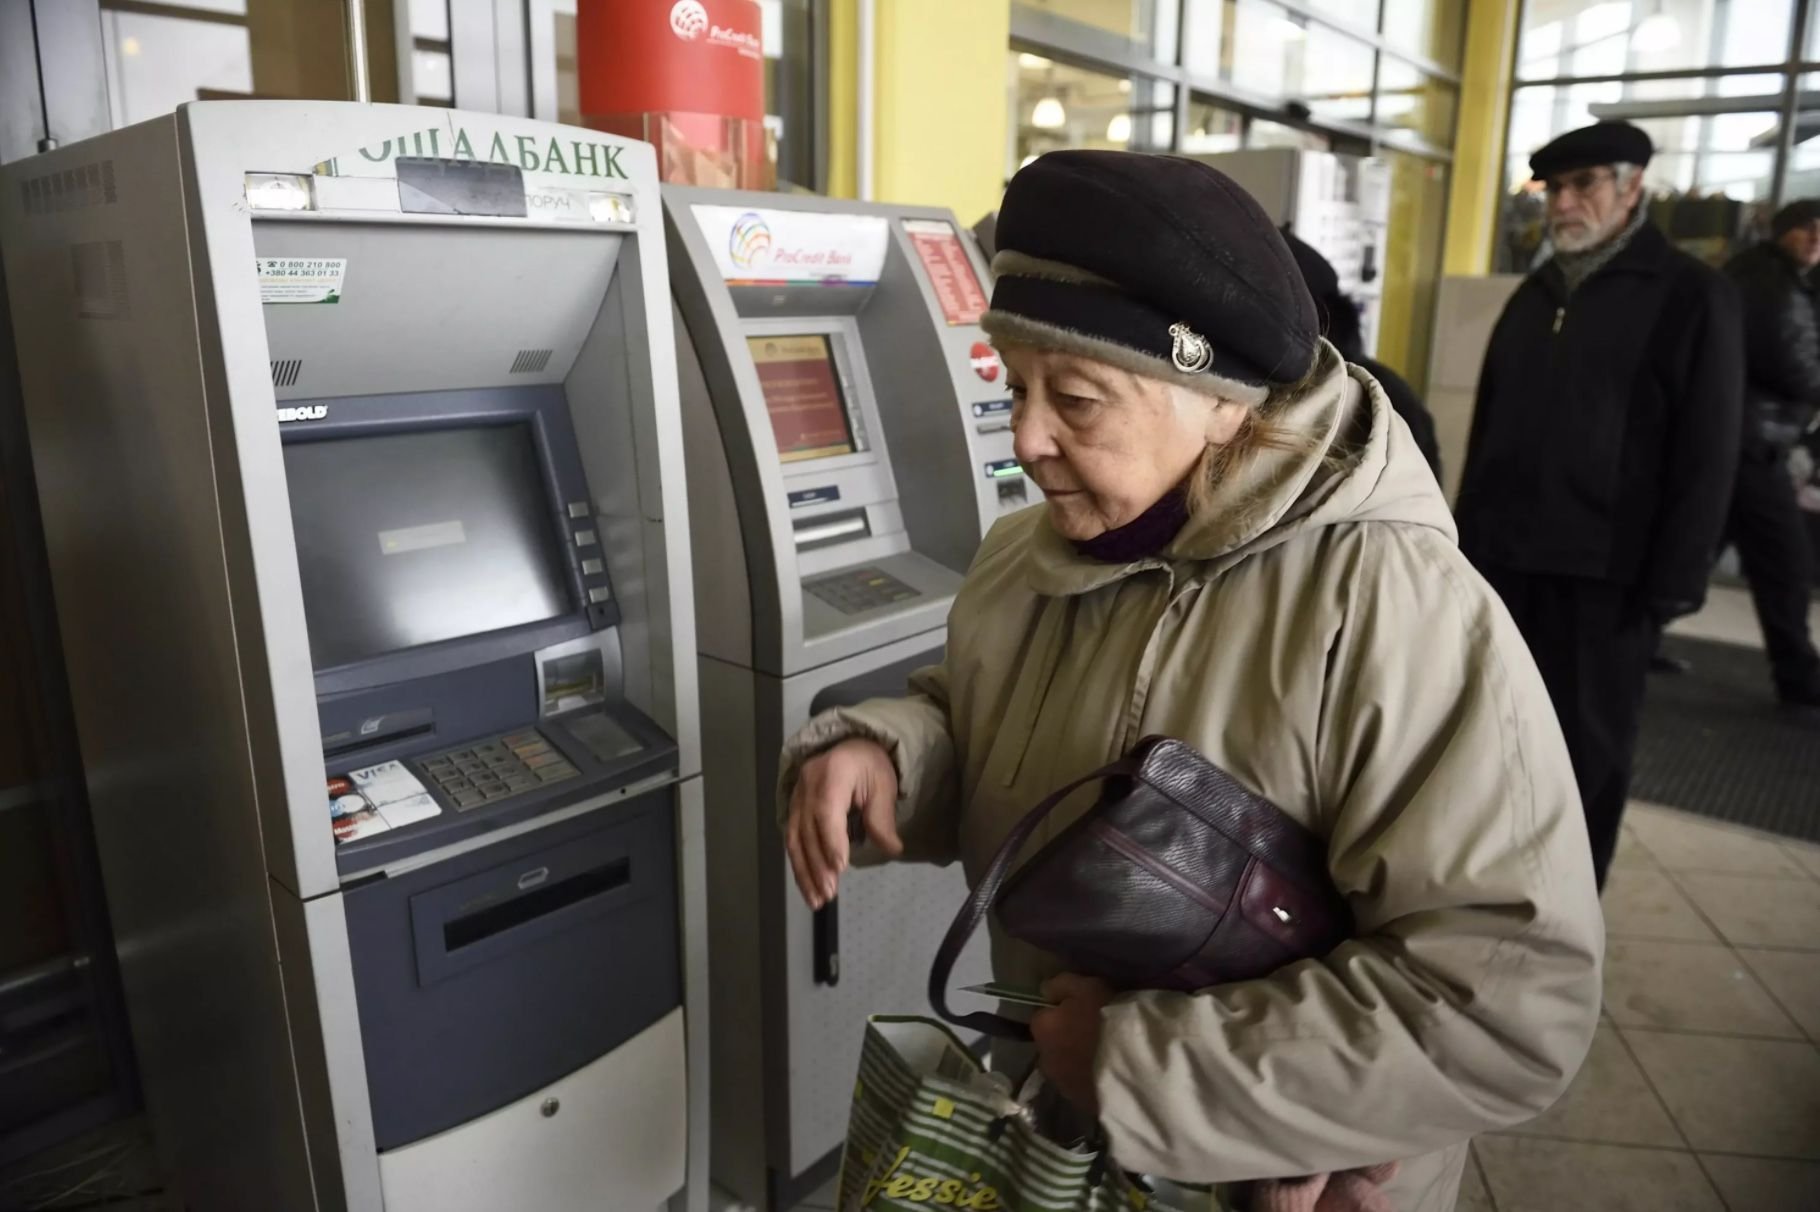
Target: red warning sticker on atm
(985, 361)
(951, 276)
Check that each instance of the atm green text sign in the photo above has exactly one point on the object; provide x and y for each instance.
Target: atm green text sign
(532, 153)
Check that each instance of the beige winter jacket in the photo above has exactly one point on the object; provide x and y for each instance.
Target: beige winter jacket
(1318, 634)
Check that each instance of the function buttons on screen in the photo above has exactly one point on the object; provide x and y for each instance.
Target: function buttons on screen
(578, 509)
(497, 769)
(586, 538)
(593, 567)
(993, 416)
(599, 594)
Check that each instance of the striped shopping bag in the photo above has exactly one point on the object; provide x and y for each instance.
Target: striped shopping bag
(927, 1132)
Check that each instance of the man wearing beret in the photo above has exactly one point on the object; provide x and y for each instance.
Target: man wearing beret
(1604, 441)
(1781, 393)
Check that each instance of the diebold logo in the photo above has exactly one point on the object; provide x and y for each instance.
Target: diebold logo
(688, 20)
(312, 412)
(749, 240)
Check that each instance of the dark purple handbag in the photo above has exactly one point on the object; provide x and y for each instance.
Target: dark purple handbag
(1178, 877)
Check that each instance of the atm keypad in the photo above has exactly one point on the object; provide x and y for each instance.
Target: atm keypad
(858, 590)
(498, 768)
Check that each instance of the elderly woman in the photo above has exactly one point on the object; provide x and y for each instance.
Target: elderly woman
(1242, 548)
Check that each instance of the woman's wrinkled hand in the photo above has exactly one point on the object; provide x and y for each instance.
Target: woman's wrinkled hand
(853, 775)
(1067, 1037)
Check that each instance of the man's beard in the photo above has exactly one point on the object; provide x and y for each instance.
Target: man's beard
(1586, 237)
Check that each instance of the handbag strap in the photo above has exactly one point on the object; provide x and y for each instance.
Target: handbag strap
(979, 902)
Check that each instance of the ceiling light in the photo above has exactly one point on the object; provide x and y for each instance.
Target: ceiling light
(1656, 35)
(1119, 129)
(1049, 114)
(278, 191)
(1124, 86)
(129, 46)
(1033, 62)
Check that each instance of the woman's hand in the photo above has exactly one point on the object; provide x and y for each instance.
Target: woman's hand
(1068, 1037)
(853, 774)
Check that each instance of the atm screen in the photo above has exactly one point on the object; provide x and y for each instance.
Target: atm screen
(409, 538)
(803, 395)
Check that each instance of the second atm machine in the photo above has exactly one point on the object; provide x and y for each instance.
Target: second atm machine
(848, 443)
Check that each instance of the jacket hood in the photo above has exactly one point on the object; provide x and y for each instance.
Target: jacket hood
(1355, 461)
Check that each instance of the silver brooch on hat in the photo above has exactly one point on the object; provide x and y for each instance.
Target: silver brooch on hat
(1192, 352)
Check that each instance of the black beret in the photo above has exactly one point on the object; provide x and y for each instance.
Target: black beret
(1158, 264)
(1600, 143)
(1798, 213)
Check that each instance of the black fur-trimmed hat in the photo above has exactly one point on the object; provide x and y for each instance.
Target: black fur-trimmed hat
(1160, 265)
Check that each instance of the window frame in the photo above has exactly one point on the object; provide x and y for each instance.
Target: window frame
(1791, 68)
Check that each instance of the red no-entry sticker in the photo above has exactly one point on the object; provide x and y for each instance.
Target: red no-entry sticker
(985, 361)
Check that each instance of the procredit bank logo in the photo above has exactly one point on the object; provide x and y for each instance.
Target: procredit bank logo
(749, 241)
(689, 21)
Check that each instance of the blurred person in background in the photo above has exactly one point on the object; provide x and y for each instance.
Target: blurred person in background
(1781, 398)
(1598, 474)
(1339, 316)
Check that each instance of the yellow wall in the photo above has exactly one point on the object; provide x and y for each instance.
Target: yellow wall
(843, 97)
(1478, 165)
(939, 102)
(1418, 200)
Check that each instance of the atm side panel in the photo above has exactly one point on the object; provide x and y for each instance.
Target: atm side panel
(914, 358)
(106, 316)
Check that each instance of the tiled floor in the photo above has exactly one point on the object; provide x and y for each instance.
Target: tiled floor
(1702, 1090)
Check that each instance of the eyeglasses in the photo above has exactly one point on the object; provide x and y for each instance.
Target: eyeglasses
(1581, 183)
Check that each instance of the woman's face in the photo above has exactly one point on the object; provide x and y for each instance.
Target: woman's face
(1102, 443)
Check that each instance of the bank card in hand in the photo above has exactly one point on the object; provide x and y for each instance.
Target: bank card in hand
(1015, 994)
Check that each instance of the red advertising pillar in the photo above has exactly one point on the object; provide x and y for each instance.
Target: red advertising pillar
(685, 75)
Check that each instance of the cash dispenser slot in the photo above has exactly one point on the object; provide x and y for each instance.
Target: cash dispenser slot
(829, 529)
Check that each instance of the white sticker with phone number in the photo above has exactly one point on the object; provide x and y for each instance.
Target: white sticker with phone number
(301, 279)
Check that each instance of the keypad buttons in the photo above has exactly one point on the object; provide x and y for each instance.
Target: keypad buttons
(497, 769)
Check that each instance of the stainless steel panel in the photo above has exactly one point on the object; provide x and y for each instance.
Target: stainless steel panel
(122, 440)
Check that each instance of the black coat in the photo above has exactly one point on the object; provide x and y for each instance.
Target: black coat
(1406, 404)
(1606, 431)
(1781, 349)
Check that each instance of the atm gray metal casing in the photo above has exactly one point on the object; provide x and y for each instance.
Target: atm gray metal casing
(936, 416)
(152, 382)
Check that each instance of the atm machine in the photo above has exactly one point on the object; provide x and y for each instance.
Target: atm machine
(1339, 204)
(848, 437)
(356, 435)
